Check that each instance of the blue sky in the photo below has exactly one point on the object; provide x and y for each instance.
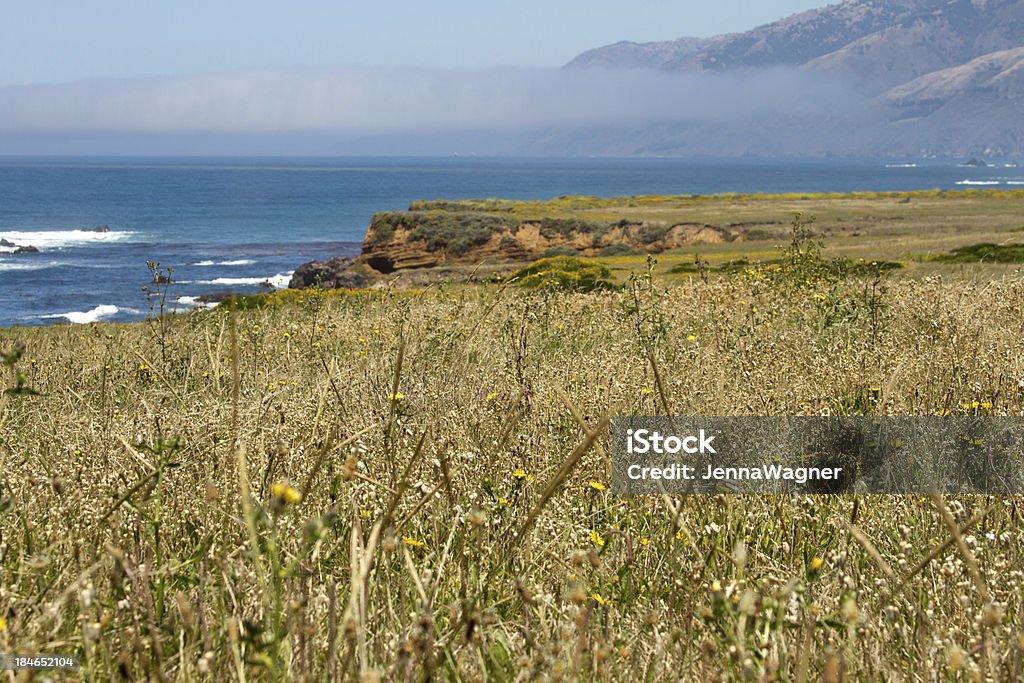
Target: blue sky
(59, 41)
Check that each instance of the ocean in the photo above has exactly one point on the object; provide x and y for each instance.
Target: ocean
(244, 224)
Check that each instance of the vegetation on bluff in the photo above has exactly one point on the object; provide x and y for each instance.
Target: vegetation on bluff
(918, 229)
(564, 273)
(985, 253)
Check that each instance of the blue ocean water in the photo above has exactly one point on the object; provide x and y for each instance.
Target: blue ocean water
(244, 224)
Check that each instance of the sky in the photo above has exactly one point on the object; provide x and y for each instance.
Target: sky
(61, 41)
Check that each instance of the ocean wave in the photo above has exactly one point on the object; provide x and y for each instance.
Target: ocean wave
(978, 182)
(901, 165)
(83, 317)
(195, 302)
(279, 281)
(239, 262)
(1015, 182)
(5, 266)
(56, 239)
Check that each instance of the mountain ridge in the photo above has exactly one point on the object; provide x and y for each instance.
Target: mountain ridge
(929, 69)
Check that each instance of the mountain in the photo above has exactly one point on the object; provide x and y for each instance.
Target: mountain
(627, 55)
(927, 69)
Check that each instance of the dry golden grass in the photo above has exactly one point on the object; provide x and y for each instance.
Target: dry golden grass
(405, 485)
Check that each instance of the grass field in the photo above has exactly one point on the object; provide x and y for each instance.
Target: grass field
(412, 484)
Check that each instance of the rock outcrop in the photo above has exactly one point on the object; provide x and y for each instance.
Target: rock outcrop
(336, 273)
(18, 248)
(441, 234)
(421, 239)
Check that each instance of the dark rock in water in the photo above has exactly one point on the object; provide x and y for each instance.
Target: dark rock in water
(266, 284)
(332, 274)
(214, 297)
(980, 163)
(98, 228)
(19, 248)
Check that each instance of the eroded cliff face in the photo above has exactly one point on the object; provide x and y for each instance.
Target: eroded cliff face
(397, 241)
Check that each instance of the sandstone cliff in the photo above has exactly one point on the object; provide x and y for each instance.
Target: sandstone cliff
(439, 234)
(425, 239)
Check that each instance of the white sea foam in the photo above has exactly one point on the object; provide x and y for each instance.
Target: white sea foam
(279, 281)
(978, 182)
(1015, 182)
(55, 239)
(194, 302)
(83, 317)
(239, 262)
(7, 266)
(901, 165)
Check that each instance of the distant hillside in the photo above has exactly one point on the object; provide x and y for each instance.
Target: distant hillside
(627, 55)
(942, 74)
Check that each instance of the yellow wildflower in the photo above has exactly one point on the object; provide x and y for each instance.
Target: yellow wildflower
(646, 391)
(284, 493)
(596, 539)
(597, 486)
(396, 397)
(816, 563)
(522, 474)
(598, 599)
(493, 395)
(412, 542)
(3, 624)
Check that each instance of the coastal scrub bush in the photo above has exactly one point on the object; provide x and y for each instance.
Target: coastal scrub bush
(565, 273)
(620, 250)
(561, 250)
(985, 252)
(652, 232)
(382, 227)
(564, 227)
(456, 233)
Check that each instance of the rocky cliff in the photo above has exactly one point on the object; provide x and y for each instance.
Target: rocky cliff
(433, 234)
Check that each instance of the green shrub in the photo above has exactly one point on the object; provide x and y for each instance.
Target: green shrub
(457, 233)
(382, 227)
(986, 252)
(565, 227)
(561, 250)
(652, 232)
(620, 250)
(565, 273)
